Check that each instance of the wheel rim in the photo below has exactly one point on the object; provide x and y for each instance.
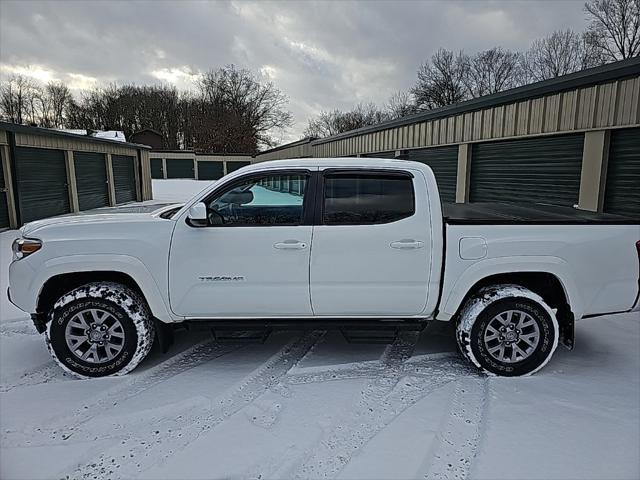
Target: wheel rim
(511, 336)
(94, 336)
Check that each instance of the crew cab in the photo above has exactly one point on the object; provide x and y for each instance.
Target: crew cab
(348, 243)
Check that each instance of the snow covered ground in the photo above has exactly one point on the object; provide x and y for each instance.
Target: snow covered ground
(309, 405)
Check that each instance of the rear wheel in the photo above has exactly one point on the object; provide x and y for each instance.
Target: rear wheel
(100, 329)
(507, 330)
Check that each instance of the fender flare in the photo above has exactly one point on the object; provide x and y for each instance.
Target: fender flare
(125, 264)
(452, 300)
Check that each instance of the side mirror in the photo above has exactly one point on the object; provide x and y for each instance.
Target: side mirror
(198, 215)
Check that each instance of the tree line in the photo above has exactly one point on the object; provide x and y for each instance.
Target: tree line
(449, 77)
(232, 110)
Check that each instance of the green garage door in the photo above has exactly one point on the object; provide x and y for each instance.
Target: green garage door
(156, 168)
(539, 170)
(124, 178)
(180, 168)
(622, 191)
(233, 166)
(210, 170)
(41, 175)
(4, 205)
(91, 180)
(444, 163)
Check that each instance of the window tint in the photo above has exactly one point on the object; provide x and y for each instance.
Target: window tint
(351, 199)
(268, 200)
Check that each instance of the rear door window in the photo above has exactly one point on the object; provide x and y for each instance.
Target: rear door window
(367, 198)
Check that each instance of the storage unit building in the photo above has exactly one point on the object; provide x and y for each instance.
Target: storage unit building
(46, 172)
(199, 166)
(572, 140)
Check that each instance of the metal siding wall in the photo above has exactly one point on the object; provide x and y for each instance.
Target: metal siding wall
(444, 163)
(606, 105)
(622, 191)
(538, 170)
(628, 102)
(41, 176)
(612, 104)
(586, 107)
(91, 180)
(124, 178)
(552, 114)
(569, 110)
(58, 142)
(177, 168)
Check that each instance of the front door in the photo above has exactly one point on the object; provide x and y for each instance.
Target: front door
(371, 249)
(252, 259)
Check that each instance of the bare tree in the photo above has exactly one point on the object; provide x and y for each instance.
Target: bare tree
(615, 27)
(16, 99)
(238, 112)
(400, 104)
(57, 97)
(560, 53)
(329, 123)
(441, 81)
(492, 71)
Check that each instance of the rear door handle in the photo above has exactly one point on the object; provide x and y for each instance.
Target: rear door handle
(407, 244)
(290, 245)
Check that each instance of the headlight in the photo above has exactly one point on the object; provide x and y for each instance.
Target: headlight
(23, 247)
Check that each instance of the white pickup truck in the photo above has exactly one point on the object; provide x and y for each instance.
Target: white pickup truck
(320, 243)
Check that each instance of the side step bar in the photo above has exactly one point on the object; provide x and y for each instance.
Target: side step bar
(354, 331)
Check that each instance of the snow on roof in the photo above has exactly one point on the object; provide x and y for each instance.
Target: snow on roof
(116, 135)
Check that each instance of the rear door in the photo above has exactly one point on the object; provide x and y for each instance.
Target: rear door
(371, 244)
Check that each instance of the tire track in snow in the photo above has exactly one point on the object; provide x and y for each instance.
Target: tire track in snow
(35, 376)
(137, 453)
(383, 400)
(460, 439)
(60, 429)
(375, 409)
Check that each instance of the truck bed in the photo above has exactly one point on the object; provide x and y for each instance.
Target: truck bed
(495, 213)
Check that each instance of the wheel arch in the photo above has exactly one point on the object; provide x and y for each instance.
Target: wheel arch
(70, 272)
(543, 283)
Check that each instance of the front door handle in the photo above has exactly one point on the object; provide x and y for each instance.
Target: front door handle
(407, 244)
(290, 245)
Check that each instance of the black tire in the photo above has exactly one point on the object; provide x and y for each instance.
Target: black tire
(486, 309)
(118, 303)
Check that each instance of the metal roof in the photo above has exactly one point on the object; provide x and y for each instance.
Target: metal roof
(17, 128)
(302, 141)
(590, 76)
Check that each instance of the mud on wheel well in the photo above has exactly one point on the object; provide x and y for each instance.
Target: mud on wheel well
(58, 285)
(547, 285)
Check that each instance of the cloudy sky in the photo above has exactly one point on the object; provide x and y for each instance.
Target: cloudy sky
(323, 55)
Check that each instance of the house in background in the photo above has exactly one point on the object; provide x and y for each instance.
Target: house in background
(148, 136)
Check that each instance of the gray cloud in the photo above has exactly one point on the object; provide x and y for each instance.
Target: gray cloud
(323, 55)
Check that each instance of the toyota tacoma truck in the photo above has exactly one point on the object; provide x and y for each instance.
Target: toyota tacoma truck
(321, 243)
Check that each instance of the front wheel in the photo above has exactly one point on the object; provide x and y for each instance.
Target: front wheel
(507, 330)
(100, 329)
